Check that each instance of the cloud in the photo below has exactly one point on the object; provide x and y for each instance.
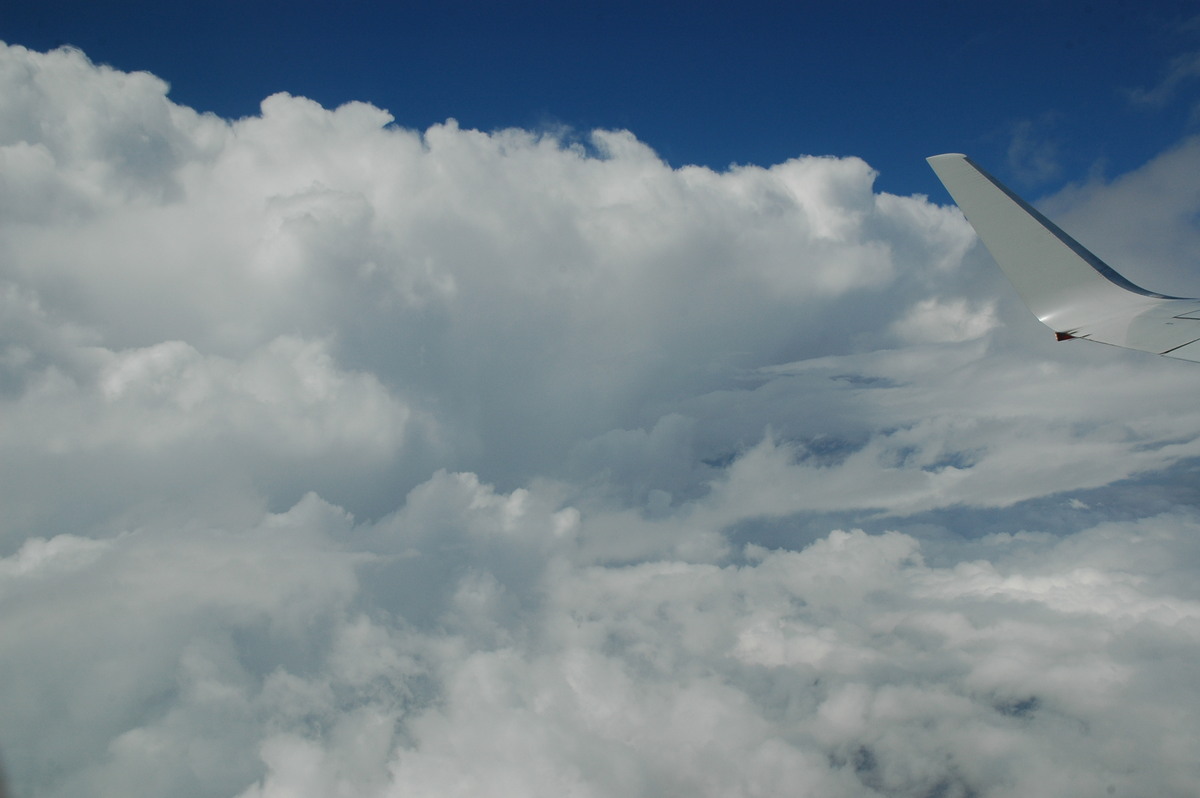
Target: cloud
(1033, 151)
(1142, 222)
(846, 666)
(945, 321)
(348, 459)
(1182, 69)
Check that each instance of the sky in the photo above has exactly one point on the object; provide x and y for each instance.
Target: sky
(600, 401)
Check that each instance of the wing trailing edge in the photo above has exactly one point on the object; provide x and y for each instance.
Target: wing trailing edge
(1069, 289)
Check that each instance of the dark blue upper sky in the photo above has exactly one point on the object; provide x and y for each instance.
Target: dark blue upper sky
(1037, 91)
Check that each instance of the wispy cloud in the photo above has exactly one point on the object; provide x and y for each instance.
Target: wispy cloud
(1033, 150)
(1182, 70)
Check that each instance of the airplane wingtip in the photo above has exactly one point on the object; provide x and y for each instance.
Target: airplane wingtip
(946, 156)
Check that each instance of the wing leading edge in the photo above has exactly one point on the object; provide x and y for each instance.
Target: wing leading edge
(1068, 288)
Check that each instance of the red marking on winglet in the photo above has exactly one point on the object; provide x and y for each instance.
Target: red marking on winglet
(1063, 336)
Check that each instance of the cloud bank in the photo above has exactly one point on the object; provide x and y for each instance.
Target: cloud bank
(347, 459)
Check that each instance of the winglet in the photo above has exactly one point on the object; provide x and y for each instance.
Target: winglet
(1068, 288)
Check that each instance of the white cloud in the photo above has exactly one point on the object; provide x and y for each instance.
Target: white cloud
(846, 667)
(345, 459)
(945, 321)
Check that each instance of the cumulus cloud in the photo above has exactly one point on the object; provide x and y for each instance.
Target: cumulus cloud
(348, 459)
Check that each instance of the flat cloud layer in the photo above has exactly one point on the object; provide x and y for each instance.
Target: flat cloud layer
(345, 459)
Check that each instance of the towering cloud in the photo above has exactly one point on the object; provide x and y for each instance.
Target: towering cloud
(346, 459)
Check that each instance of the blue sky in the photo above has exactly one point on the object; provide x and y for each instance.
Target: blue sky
(709, 83)
(347, 451)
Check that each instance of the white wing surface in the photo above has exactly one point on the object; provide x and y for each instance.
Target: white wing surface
(1068, 288)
